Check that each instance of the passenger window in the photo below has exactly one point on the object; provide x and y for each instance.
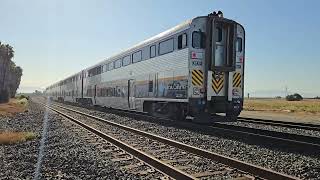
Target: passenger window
(126, 61)
(136, 57)
(182, 41)
(198, 40)
(166, 46)
(104, 68)
(218, 34)
(150, 86)
(152, 51)
(91, 72)
(239, 44)
(98, 70)
(110, 66)
(117, 64)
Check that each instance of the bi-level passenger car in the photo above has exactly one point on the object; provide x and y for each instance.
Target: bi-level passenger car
(194, 69)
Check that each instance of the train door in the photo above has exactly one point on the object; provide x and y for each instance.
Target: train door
(222, 61)
(95, 94)
(238, 76)
(131, 94)
(82, 77)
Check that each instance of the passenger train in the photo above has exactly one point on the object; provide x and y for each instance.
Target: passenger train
(194, 69)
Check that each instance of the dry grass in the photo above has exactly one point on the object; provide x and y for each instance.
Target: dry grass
(307, 106)
(13, 106)
(15, 137)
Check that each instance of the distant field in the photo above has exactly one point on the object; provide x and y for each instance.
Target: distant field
(307, 105)
(13, 106)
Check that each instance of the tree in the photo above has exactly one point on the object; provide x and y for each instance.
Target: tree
(294, 97)
(6, 53)
(4, 94)
(10, 74)
(14, 78)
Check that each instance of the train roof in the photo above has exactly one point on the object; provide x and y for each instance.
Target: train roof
(178, 28)
(181, 27)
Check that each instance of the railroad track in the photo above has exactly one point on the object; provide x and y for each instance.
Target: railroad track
(295, 142)
(172, 167)
(306, 126)
(289, 142)
(124, 152)
(125, 160)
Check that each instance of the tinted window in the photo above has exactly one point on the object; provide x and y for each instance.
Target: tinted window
(136, 57)
(117, 63)
(198, 40)
(98, 70)
(91, 72)
(150, 86)
(145, 54)
(104, 68)
(152, 51)
(239, 44)
(166, 46)
(110, 66)
(182, 41)
(218, 34)
(126, 61)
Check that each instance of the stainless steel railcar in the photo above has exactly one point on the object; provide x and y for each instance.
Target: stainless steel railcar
(194, 69)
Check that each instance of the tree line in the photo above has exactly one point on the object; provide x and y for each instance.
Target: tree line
(10, 74)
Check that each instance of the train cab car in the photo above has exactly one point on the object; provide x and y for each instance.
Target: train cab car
(195, 69)
(216, 66)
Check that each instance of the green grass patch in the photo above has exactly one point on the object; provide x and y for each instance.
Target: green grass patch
(23, 101)
(22, 97)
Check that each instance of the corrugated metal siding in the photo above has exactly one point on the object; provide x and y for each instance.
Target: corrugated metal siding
(177, 62)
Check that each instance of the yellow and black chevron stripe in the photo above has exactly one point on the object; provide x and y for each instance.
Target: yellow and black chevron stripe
(217, 82)
(197, 77)
(236, 79)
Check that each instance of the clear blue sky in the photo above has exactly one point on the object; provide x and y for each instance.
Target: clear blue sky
(57, 38)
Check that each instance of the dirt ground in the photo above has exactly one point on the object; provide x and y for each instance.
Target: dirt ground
(307, 110)
(12, 107)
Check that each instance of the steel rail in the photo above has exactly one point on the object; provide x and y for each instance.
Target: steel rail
(240, 165)
(157, 164)
(291, 142)
(299, 140)
(306, 126)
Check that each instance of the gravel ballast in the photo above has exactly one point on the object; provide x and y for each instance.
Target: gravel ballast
(19, 160)
(299, 165)
(192, 164)
(66, 154)
(276, 128)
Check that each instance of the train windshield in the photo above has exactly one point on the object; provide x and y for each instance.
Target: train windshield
(198, 40)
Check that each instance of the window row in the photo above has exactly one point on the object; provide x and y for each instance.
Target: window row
(66, 93)
(164, 47)
(107, 92)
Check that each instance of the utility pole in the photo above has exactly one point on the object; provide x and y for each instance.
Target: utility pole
(286, 91)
